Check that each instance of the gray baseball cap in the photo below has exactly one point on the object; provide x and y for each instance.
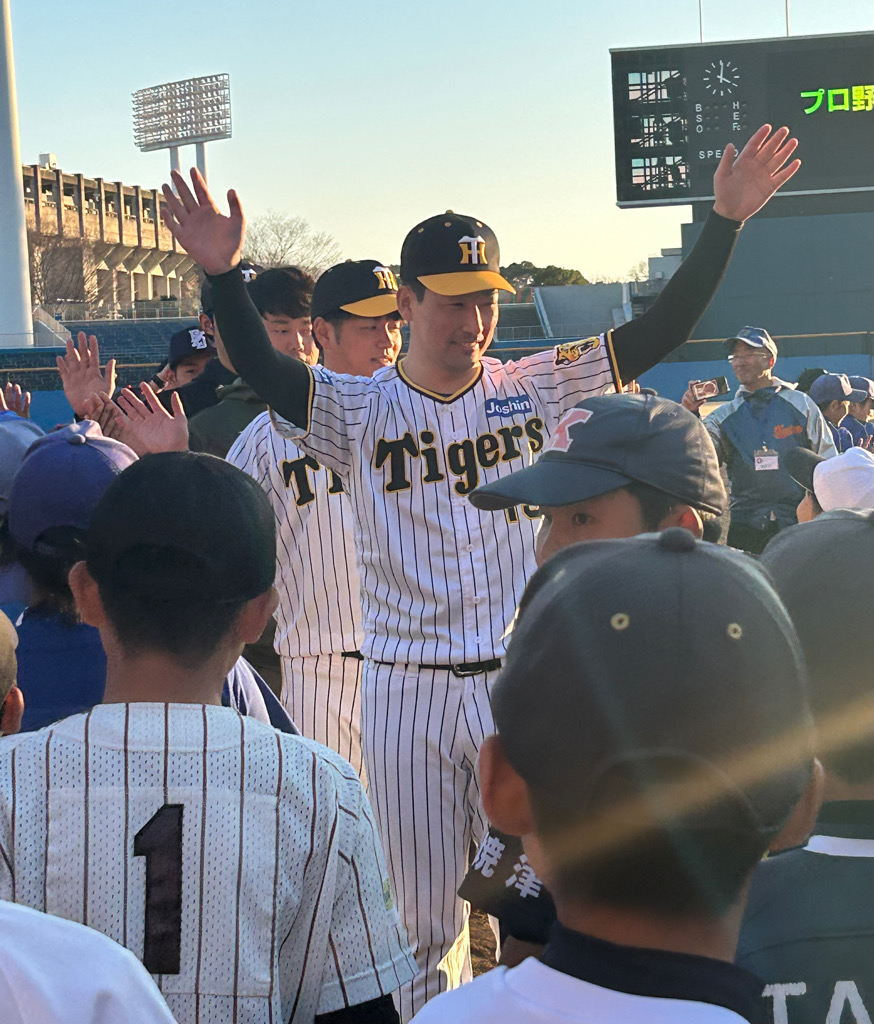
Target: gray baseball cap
(609, 441)
(658, 656)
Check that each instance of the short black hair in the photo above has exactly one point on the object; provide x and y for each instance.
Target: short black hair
(283, 291)
(655, 505)
(417, 288)
(807, 377)
(667, 871)
(187, 629)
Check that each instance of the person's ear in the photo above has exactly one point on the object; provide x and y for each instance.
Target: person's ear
(86, 595)
(686, 517)
(800, 825)
(11, 712)
(325, 333)
(407, 302)
(255, 616)
(504, 793)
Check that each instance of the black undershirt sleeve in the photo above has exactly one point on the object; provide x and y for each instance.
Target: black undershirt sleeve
(280, 381)
(641, 343)
(374, 1011)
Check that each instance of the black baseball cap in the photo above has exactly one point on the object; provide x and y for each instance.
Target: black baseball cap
(216, 518)
(822, 571)
(665, 659)
(249, 271)
(361, 287)
(190, 341)
(608, 441)
(453, 255)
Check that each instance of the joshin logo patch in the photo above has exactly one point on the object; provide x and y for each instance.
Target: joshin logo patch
(571, 351)
(509, 406)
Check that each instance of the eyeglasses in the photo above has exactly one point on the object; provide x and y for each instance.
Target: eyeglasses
(747, 355)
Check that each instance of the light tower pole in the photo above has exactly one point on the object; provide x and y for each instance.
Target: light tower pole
(16, 316)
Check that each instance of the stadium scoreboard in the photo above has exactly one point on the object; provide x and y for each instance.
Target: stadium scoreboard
(676, 107)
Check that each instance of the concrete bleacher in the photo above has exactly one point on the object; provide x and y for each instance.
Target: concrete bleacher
(578, 311)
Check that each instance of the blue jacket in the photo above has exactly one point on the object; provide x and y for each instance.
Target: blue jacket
(860, 432)
(842, 438)
(776, 419)
(62, 671)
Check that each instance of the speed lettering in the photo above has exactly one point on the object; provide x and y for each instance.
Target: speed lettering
(461, 459)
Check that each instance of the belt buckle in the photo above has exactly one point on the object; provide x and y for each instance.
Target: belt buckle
(467, 668)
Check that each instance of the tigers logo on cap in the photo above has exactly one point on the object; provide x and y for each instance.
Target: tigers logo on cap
(473, 250)
(387, 280)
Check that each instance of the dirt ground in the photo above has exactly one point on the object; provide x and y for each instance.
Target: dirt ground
(482, 943)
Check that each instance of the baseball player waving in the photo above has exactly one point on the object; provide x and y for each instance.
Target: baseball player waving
(440, 579)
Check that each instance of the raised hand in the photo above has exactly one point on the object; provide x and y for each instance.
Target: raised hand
(147, 427)
(80, 373)
(13, 399)
(743, 184)
(204, 232)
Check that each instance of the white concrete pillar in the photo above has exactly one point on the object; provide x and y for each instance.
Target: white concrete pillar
(16, 319)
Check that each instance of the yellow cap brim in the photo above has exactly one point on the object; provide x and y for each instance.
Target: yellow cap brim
(466, 282)
(376, 305)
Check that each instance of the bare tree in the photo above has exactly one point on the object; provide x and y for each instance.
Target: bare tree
(278, 239)
(61, 269)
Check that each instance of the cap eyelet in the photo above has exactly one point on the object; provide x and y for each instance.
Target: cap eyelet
(620, 621)
(734, 630)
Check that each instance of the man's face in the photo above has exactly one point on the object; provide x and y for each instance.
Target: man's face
(189, 368)
(862, 410)
(367, 343)
(455, 330)
(290, 335)
(609, 516)
(750, 364)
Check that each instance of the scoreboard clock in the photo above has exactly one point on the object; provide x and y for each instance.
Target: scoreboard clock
(676, 107)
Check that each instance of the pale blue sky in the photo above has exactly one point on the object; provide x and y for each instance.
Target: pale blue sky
(365, 116)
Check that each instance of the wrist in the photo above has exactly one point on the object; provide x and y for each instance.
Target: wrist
(221, 269)
(725, 213)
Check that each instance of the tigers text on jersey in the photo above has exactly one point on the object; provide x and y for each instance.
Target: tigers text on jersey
(316, 576)
(241, 865)
(440, 578)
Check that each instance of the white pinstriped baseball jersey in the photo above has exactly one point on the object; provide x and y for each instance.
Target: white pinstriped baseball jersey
(240, 864)
(319, 609)
(441, 579)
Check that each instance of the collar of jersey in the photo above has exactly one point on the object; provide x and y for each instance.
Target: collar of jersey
(445, 399)
(654, 972)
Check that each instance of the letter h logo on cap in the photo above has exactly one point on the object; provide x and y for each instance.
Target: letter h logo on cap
(473, 250)
(561, 439)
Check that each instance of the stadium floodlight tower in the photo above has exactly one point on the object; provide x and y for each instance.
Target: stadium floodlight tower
(191, 112)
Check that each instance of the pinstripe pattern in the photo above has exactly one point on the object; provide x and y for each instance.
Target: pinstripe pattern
(316, 576)
(323, 697)
(440, 579)
(258, 805)
(427, 818)
(440, 583)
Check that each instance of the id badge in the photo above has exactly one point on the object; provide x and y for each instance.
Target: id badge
(765, 460)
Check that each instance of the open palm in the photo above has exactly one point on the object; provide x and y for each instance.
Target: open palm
(214, 240)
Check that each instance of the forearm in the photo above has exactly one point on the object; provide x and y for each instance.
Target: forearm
(282, 382)
(643, 342)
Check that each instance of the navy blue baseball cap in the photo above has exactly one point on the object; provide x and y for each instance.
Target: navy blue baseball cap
(190, 341)
(63, 476)
(645, 658)
(864, 384)
(756, 337)
(609, 441)
(832, 387)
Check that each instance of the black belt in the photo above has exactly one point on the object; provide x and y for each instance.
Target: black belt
(466, 668)
(357, 655)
